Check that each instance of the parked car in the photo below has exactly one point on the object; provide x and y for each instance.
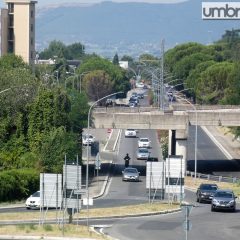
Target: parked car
(224, 199)
(144, 143)
(130, 133)
(206, 191)
(33, 202)
(132, 104)
(88, 139)
(130, 174)
(143, 154)
(140, 95)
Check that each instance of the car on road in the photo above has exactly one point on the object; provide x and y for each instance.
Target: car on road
(132, 105)
(143, 154)
(140, 95)
(130, 133)
(34, 201)
(144, 143)
(206, 191)
(224, 199)
(88, 139)
(130, 174)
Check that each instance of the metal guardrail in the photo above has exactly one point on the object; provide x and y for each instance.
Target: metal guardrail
(214, 177)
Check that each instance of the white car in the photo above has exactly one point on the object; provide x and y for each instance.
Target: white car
(88, 139)
(143, 154)
(144, 143)
(130, 133)
(34, 201)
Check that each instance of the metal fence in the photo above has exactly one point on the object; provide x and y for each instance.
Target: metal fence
(214, 177)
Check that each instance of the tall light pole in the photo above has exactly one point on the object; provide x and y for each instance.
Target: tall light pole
(80, 82)
(5, 90)
(87, 167)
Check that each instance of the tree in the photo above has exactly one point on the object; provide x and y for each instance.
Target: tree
(98, 84)
(56, 49)
(116, 60)
(116, 74)
(214, 82)
(11, 61)
(76, 51)
(50, 109)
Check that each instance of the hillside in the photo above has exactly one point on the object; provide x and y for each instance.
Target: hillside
(117, 27)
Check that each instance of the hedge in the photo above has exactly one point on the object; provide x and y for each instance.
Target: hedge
(18, 184)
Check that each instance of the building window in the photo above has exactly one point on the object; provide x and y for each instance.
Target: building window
(11, 7)
(31, 27)
(31, 54)
(32, 15)
(32, 41)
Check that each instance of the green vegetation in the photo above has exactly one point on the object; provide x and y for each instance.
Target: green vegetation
(44, 110)
(211, 73)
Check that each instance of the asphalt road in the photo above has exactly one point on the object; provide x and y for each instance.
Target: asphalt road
(210, 159)
(126, 193)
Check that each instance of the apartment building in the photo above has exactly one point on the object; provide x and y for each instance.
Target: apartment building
(17, 29)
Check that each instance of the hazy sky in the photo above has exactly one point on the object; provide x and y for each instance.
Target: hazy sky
(48, 2)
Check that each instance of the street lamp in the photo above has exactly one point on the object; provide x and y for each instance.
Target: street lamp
(80, 82)
(5, 90)
(87, 167)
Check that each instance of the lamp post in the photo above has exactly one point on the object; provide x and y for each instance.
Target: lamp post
(87, 167)
(5, 90)
(80, 81)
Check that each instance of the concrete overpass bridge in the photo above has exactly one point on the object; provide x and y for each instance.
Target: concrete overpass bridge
(176, 120)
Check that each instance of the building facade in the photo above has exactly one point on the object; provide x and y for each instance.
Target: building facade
(18, 29)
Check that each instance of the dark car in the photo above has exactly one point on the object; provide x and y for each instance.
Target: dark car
(224, 199)
(206, 191)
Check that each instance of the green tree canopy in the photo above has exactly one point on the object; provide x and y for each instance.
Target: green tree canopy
(214, 83)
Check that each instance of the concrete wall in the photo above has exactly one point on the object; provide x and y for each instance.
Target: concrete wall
(3, 31)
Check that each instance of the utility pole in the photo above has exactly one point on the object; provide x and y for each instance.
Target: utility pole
(161, 100)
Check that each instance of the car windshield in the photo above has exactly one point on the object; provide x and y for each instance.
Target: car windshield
(36, 194)
(224, 194)
(144, 140)
(208, 187)
(130, 130)
(143, 150)
(131, 170)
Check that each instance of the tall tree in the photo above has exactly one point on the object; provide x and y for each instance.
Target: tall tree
(115, 59)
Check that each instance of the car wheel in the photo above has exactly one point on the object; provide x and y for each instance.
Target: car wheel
(197, 199)
(234, 209)
(212, 209)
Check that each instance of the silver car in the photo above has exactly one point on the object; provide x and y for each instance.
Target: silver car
(224, 199)
(143, 154)
(130, 174)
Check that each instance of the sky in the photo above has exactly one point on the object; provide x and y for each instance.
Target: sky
(50, 2)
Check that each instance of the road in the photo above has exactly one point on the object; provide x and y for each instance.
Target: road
(126, 193)
(205, 225)
(210, 159)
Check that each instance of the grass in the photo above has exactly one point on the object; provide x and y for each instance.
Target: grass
(73, 230)
(50, 230)
(194, 183)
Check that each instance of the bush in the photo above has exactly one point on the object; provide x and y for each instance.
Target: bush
(18, 184)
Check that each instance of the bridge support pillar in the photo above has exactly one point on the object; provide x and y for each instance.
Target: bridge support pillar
(177, 144)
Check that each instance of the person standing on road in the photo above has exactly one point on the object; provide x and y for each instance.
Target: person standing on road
(127, 159)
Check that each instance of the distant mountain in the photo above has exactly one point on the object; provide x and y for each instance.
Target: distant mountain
(112, 27)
